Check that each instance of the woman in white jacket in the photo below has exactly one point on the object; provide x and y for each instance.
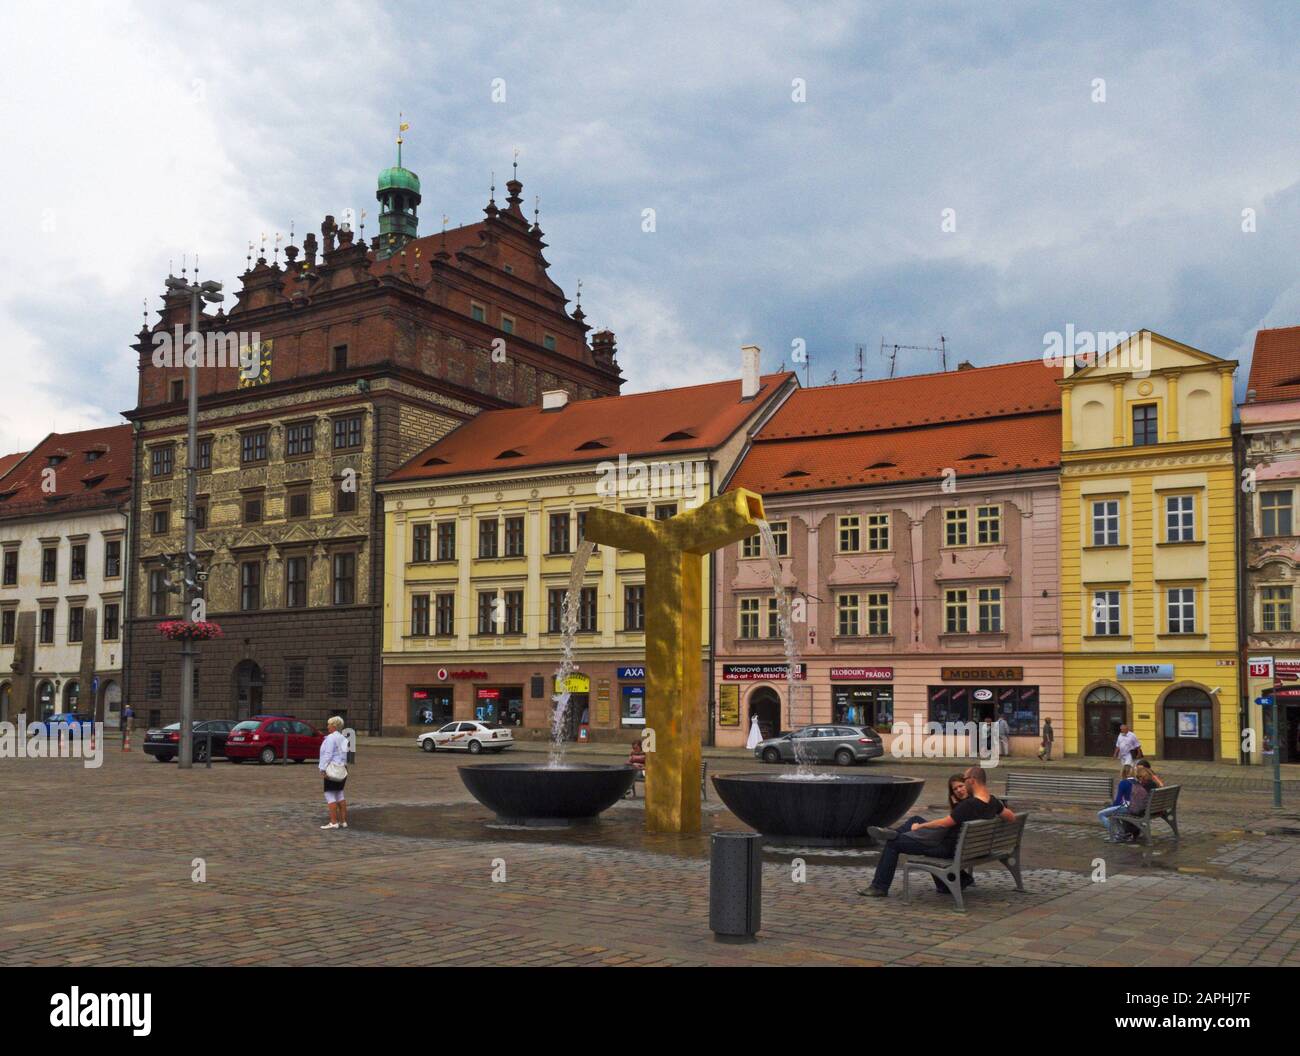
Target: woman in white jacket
(333, 764)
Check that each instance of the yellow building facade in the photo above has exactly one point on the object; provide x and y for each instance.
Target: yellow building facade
(1149, 552)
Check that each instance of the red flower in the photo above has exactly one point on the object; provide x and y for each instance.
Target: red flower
(196, 631)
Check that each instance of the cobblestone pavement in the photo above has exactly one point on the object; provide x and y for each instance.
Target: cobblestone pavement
(98, 865)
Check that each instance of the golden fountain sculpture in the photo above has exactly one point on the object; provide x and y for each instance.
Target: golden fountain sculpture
(674, 551)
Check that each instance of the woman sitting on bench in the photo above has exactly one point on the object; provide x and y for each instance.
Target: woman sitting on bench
(1144, 781)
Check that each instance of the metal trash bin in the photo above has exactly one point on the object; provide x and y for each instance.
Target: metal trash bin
(735, 886)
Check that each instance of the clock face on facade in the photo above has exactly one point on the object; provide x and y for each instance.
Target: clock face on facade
(262, 358)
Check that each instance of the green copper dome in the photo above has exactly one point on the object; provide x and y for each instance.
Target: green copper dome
(400, 179)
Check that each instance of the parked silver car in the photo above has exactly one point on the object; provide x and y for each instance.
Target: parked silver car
(844, 745)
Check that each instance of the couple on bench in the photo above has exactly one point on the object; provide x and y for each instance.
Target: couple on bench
(969, 799)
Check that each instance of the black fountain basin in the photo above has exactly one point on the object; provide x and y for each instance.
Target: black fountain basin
(537, 794)
(824, 811)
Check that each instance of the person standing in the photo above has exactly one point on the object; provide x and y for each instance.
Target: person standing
(333, 764)
(1004, 736)
(128, 713)
(1045, 751)
(1128, 749)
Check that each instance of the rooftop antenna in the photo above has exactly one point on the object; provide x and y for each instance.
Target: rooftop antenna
(183, 266)
(941, 348)
(807, 370)
(860, 351)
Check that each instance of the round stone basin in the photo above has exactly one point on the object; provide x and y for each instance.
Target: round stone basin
(537, 794)
(822, 811)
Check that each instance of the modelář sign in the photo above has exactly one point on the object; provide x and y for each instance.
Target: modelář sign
(760, 672)
(982, 674)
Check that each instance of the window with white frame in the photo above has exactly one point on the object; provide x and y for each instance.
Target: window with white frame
(748, 612)
(850, 540)
(1105, 522)
(1275, 513)
(1182, 610)
(1180, 518)
(1105, 612)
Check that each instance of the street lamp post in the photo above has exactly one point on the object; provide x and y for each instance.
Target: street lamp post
(209, 291)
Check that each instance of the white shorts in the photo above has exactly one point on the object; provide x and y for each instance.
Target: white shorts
(334, 797)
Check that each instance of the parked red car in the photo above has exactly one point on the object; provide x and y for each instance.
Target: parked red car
(263, 738)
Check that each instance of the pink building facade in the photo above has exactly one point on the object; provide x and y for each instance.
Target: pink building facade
(925, 588)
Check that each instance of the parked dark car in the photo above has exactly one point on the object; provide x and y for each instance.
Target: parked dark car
(165, 744)
(844, 745)
(266, 737)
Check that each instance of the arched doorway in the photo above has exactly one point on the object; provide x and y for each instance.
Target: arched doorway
(248, 689)
(1187, 724)
(1105, 709)
(6, 702)
(45, 699)
(110, 696)
(765, 703)
(71, 695)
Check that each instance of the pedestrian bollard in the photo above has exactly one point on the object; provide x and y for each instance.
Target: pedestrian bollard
(209, 750)
(735, 886)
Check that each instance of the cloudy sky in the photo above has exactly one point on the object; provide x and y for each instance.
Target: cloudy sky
(135, 133)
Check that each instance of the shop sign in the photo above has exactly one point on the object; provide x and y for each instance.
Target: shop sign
(442, 674)
(1260, 667)
(862, 674)
(488, 694)
(468, 673)
(728, 705)
(761, 672)
(1287, 667)
(1144, 672)
(983, 694)
(632, 673)
(982, 674)
(575, 683)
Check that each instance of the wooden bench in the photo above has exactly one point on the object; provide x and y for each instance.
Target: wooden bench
(1080, 788)
(704, 781)
(979, 843)
(1162, 803)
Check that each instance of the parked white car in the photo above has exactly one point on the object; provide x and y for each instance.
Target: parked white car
(472, 737)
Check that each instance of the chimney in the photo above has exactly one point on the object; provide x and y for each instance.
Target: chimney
(749, 371)
(555, 399)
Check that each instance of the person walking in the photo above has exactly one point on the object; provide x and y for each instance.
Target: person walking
(1004, 736)
(1128, 749)
(1045, 752)
(333, 764)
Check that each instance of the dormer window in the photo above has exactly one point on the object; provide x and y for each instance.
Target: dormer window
(54, 460)
(435, 461)
(975, 456)
(591, 445)
(882, 465)
(794, 473)
(510, 453)
(680, 434)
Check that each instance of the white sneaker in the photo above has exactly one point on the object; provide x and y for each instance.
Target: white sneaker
(331, 825)
(343, 825)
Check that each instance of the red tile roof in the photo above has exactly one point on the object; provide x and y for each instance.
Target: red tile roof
(637, 424)
(7, 462)
(977, 422)
(1275, 368)
(94, 470)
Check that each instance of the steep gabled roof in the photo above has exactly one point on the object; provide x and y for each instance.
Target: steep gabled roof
(1275, 367)
(690, 419)
(977, 421)
(90, 469)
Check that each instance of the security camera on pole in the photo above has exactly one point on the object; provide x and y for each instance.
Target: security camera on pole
(190, 590)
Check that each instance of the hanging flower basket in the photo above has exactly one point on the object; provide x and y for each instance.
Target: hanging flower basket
(182, 630)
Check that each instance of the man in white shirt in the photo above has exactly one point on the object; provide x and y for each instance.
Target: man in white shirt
(1127, 746)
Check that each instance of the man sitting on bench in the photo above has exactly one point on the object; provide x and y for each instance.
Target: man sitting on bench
(980, 805)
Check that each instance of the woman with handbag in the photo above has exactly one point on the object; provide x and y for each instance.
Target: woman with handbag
(333, 764)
